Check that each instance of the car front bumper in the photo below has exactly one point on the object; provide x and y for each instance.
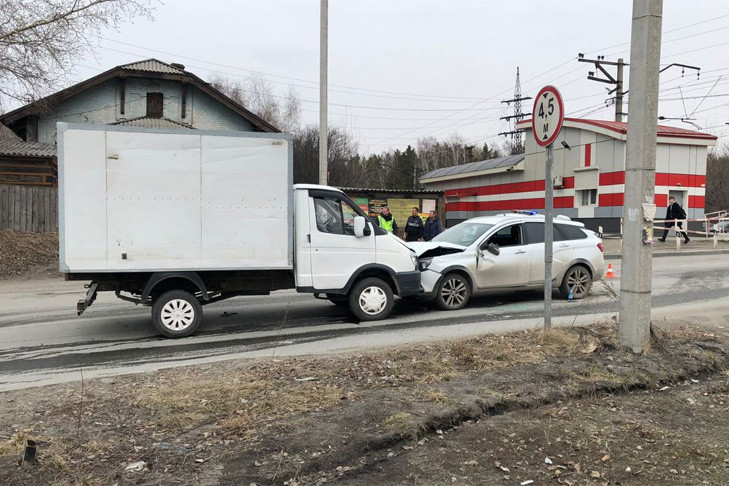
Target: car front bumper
(429, 281)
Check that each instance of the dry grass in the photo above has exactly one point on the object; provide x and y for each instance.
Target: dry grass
(400, 422)
(238, 406)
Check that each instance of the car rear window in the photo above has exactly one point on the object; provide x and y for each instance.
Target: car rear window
(572, 232)
(562, 232)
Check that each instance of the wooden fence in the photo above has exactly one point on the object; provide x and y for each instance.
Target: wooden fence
(29, 208)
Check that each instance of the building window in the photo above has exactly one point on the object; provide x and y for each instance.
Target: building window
(155, 102)
(587, 197)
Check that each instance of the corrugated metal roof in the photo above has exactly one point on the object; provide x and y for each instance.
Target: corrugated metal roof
(153, 65)
(482, 165)
(374, 189)
(146, 122)
(622, 128)
(26, 149)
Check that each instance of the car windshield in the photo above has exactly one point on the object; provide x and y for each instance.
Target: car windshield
(463, 233)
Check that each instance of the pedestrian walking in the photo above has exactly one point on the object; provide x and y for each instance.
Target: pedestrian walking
(386, 221)
(433, 226)
(414, 227)
(674, 212)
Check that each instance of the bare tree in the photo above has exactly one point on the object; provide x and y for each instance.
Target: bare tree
(346, 168)
(258, 95)
(39, 39)
(717, 179)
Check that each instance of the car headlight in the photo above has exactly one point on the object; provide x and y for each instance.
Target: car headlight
(424, 264)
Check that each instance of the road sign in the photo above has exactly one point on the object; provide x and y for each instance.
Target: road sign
(547, 116)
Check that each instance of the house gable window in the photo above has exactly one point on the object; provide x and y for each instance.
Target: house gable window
(155, 104)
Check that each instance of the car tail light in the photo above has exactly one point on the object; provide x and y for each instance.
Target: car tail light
(599, 245)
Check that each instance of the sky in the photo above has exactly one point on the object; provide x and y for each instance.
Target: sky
(400, 70)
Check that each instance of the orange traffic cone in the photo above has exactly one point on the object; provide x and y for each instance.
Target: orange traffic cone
(610, 273)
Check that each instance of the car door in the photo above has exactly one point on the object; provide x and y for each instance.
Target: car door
(510, 267)
(336, 253)
(562, 250)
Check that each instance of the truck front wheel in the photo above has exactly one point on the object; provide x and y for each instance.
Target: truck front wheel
(371, 299)
(176, 314)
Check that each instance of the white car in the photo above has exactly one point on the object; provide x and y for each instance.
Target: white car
(506, 252)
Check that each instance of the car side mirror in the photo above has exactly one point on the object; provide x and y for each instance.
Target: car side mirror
(359, 226)
(493, 248)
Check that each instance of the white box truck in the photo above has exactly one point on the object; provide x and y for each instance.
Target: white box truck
(179, 219)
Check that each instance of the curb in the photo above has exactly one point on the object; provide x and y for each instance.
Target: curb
(658, 254)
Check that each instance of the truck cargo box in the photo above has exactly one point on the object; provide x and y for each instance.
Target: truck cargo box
(144, 200)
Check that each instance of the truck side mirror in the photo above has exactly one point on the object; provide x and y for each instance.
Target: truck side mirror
(359, 226)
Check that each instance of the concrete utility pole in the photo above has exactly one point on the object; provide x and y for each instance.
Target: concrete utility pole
(609, 79)
(323, 59)
(640, 168)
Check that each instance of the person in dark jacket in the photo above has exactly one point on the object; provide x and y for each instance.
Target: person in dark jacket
(674, 211)
(414, 227)
(433, 227)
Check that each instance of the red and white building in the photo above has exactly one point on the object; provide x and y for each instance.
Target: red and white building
(589, 175)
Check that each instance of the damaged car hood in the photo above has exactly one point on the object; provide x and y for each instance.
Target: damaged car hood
(429, 249)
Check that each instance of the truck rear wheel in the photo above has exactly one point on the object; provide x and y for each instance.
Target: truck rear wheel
(371, 299)
(176, 314)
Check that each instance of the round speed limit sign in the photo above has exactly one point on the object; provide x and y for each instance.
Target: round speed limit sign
(547, 115)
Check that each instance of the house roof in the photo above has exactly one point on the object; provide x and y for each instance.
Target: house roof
(499, 164)
(19, 148)
(148, 122)
(148, 68)
(7, 134)
(154, 66)
(619, 130)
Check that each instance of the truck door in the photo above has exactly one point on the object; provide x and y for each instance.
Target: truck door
(336, 253)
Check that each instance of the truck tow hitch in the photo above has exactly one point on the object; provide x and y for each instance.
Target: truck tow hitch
(84, 304)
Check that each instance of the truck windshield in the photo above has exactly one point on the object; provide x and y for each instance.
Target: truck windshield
(463, 233)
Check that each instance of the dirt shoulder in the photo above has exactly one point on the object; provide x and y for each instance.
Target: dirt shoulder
(28, 255)
(563, 407)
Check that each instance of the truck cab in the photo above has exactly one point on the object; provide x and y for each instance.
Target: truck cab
(338, 248)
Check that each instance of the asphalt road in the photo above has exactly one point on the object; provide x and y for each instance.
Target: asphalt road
(42, 341)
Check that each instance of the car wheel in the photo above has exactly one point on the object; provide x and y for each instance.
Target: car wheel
(338, 300)
(578, 279)
(371, 299)
(176, 314)
(453, 292)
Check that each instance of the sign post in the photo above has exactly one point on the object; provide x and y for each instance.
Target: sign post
(547, 118)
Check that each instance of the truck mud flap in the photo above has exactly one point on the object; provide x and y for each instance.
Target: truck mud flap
(84, 304)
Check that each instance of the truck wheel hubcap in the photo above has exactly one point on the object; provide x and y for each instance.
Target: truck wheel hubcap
(177, 314)
(372, 300)
(454, 292)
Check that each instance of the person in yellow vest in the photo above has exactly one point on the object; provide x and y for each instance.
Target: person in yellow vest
(386, 221)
